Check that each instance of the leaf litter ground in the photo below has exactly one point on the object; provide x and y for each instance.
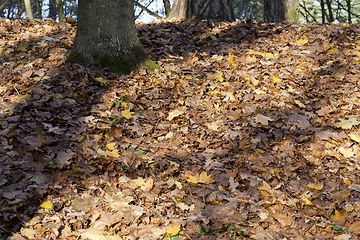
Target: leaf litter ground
(248, 131)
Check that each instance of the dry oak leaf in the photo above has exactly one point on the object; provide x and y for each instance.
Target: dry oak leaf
(264, 120)
(94, 234)
(200, 178)
(283, 219)
(174, 114)
(215, 125)
(316, 186)
(347, 124)
(355, 137)
(28, 232)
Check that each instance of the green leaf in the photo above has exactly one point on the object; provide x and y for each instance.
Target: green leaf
(124, 98)
(117, 119)
(338, 228)
(74, 170)
(134, 148)
(204, 232)
(117, 103)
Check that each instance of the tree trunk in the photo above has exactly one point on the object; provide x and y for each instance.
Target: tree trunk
(28, 9)
(39, 4)
(60, 10)
(106, 34)
(281, 10)
(322, 5)
(52, 9)
(221, 10)
(167, 7)
(331, 15)
(348, 3)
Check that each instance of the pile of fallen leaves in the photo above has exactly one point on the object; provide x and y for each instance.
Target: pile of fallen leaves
(249, 130)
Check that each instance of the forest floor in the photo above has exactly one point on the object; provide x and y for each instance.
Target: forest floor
(249, 130)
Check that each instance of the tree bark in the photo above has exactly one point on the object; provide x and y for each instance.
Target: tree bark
(167, 7)
(28, 9)
(322, 5)
(52, 9)
(331, 15)
(106, 34)
(281, 10)
(60, 10)
(39, 4)
(221, 10)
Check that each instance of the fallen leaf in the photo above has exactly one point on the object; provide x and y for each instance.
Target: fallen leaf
(173, 230)
(174, 114)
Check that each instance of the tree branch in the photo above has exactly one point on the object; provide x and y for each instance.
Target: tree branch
(147, 10)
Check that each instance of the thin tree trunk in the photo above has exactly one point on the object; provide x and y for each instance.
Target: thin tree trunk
(331, 15)
(3, 5)
(167, 7)
(52, 9)
(322, 11)
(28, 9)
(348, 2)
(39, 5)
(60, 10)
(307, 13)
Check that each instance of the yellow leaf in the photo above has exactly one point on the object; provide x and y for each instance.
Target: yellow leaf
(355, 137)
(111, 146)
(316, 186)
(300, 104)
(302, 41)
(276, 79)
(347, 181)
(113, 153)
(58, 95)
(249, 51)
(48, 205)
(214, 92)
(126, 114)
(173, 230)
(67, 227)
(217, 106)
(100, 79)
(332, 50)
(218, 76)
(200, 178)
(269, 55)
(229, 57)
(42, 43)
(298, 70)
(260, 150)
(307, 201)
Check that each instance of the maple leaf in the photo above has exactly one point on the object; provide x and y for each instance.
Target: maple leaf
(200, 178)
(127, 114)
(218, 75)
(173, 230)
(302, 41)
(48, 205)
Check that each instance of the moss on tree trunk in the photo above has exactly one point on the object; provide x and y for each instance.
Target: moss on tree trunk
(107, 35)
